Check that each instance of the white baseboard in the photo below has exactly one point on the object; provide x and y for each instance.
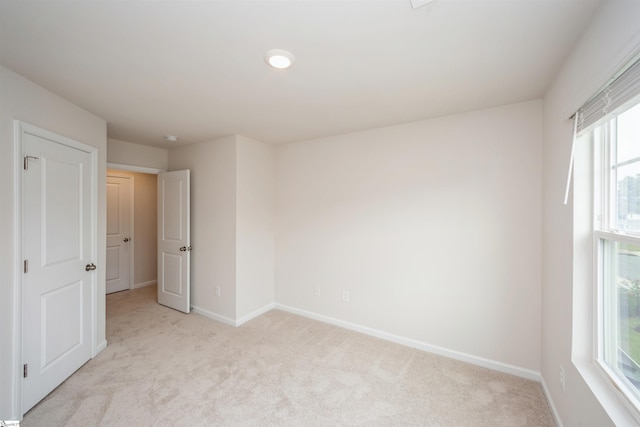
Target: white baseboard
(231, 322)
(144, 284)
(101, 346)
(214, 316)
(452, 354)
(255, 314)
(554, 410)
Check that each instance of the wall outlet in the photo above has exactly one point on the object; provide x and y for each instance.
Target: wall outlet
(217, 291)
(316, 291)
(562, 377)
(345, 296)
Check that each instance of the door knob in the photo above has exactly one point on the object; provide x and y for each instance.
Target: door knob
(126, 239)
(90, 267)
(183, 249)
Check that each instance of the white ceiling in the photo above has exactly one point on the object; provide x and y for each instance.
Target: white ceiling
(196, 69)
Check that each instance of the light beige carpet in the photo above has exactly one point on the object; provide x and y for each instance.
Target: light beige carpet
(165, 368)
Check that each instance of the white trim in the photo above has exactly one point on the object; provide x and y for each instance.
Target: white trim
(133, 168)
(214, 316)
(94, 249)
(132, 231)
(552, 406)
(586, 270)
(452, 354)
(254, 314)
(145, 284)
(616, 237)
(16, 383)
(613, 401)
(231, 322)
(101, 346)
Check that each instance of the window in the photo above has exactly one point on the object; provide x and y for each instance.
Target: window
(617, 241)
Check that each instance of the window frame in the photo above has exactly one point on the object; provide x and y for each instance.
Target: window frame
(605, 235)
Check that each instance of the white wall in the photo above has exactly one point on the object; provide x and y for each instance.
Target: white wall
(127, 153)
(605, 46)
(434, 228)
(20, 99)
(232, 223)
(213, 223)
(255, 223)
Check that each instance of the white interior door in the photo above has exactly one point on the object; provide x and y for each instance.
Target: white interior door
(174, 242)
(58, 279)
(119, 204)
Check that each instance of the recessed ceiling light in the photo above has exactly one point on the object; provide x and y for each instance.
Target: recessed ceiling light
(279, 58)
(171, 138)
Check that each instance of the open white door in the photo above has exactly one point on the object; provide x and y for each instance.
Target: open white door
(58, 281)
(174, 241)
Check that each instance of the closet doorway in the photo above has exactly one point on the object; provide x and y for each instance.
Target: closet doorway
(131, 230)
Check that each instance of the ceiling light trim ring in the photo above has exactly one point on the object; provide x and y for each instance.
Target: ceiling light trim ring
(279, 58)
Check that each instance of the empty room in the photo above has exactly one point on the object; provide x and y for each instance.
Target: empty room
(320, 212)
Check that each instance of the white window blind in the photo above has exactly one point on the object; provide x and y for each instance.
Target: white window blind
(612, 99)
(618, 95)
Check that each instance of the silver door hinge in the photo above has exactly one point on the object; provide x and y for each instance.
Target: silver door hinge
(25, 370)
(26, 265)
(26, 161)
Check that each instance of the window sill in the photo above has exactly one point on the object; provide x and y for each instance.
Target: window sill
(612, 401)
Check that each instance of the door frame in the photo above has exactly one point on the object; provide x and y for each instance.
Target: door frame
(20, 128)
(132, 168)
(115, 167)
(132, 200)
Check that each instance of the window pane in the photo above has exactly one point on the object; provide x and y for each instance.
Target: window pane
(622, 312)
(627, 177)
(628, 198)
(629, 134)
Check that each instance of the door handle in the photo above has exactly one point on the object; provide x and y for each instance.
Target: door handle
(126, 239)
(185, 248)
(90, 267)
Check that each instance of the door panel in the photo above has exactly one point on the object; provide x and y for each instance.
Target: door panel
(174, 250)
(119, 251)
(57, 317)
(57, 245)
(172, 274)
(173, 193)
(62, 227)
